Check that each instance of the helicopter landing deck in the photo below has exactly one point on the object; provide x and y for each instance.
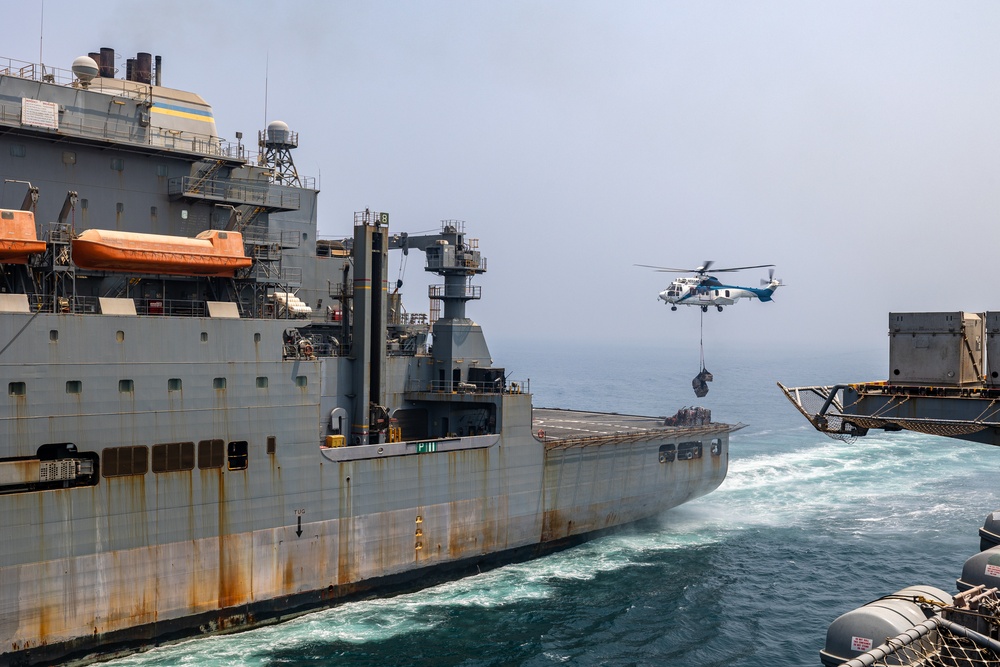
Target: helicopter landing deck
(554, 425)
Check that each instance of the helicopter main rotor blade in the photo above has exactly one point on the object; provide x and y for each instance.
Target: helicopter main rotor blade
(667, 268)
(741, 268)
(706, 267)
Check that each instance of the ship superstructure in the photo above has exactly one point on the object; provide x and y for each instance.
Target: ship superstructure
(943, 379)
(214, 419)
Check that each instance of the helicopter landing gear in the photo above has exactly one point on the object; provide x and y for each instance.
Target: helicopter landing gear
(704, 309)
(720, 308)
(673, 307)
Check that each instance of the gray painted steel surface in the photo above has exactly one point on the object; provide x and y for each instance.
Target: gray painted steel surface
(168, 472)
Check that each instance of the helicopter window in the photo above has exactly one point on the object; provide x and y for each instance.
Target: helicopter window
(727, 292)
(717, 293)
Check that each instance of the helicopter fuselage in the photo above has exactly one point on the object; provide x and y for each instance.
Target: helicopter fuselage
(708, 291)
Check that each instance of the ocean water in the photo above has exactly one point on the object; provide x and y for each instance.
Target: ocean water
(803, 529)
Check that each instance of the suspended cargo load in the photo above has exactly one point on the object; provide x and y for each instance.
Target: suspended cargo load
(700, 383)
(211, 253)
(18, 238)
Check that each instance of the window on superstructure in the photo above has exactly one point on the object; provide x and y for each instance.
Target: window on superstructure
(256, 338)
(69, 157)
(301, 380)
(219, 383)
(17, 389)
(126, 386)
(688, 450)
(174, 384)
(667, 453)
(262, 382)
(237, 453)
(121, 461)
(204, 336)
(74, 387)
(272, 444)
(211, 454)
(18, 150)
(173, 456)
(53, 335)
(118, 164)
(161, 170)
(716, 448)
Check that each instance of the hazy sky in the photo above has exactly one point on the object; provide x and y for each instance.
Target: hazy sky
(854, 144)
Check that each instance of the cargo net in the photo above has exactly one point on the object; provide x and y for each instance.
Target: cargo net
(939, 647)
(964, 635)
(810, 402)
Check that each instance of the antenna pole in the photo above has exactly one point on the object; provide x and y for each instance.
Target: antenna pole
(41, 28)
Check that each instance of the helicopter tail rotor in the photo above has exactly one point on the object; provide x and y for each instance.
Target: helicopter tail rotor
(771, 280)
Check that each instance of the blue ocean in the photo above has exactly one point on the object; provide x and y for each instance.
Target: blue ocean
(803, 529)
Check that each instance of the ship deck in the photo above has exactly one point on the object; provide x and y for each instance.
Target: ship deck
(556, 424)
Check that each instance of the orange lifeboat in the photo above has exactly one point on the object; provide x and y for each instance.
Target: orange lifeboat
(211, 253)
(18, 238)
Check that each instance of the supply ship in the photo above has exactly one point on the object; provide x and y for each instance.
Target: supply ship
(944, 379)
(213, 419)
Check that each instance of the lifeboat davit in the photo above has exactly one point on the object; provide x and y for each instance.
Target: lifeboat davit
(18, 238)
(212, 253)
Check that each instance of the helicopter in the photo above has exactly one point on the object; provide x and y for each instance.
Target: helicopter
(705, 290)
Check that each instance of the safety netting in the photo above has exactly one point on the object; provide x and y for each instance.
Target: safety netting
(942, 644)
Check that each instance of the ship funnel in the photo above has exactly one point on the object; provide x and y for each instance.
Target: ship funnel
(85, 68)
(107, 63)
(144, 67)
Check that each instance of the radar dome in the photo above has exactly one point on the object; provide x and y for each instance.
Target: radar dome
(85, 68)
(277, 131)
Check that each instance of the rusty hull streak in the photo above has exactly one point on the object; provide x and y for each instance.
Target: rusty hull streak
(235, 582)
(464, 528)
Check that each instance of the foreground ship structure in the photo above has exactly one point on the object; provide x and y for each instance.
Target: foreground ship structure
(213, 419)
(944, 379)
